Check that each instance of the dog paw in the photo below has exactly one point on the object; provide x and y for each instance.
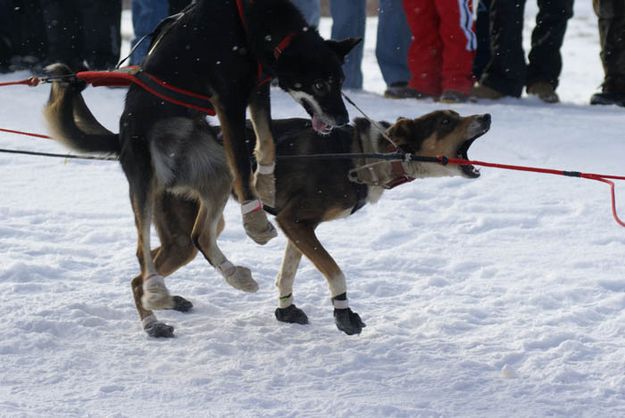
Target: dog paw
(348, 321)
(265, 185)
(242, 279)
(181, 304)
(258, 227)
(158, 329)
(292, 315)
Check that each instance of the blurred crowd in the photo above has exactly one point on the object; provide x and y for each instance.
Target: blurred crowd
(426, 49)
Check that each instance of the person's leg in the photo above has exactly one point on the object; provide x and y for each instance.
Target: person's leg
(425, 52)
(101, 32)
(6, 34)
(482, 32)
(612, 33)
(459, 44)
(62, 32)
(310, 9)
(146, 15)
(348, 21)
(545, 61)
(393, 41)
(505, 72)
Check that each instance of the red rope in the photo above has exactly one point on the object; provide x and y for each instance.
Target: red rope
(590, 176)
(612, 195)
(25, 133)
(32, 82)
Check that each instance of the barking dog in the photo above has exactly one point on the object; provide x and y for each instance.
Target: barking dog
(194, 183)
(214, 48)
(310, 192)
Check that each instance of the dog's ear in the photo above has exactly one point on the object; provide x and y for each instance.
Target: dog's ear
(401, 131)
(342, 48)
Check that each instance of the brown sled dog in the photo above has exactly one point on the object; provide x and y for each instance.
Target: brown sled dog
(192, 184)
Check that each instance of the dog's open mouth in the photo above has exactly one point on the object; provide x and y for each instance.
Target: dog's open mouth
(320, 126)
(468, 169)
(318, 123)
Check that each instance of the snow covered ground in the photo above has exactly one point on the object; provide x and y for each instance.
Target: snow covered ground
(503, 296)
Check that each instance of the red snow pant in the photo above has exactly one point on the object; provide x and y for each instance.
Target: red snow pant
(443, 45)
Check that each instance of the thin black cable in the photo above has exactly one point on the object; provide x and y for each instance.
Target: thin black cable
(393, 156)
(65, 156)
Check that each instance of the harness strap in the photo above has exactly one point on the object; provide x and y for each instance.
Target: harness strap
(397, 170)
(151, 84)
(263, 77)
(283, 44)
(399, 175)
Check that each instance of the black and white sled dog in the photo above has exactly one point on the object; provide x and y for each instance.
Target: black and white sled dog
(214, 48)
(191, 183)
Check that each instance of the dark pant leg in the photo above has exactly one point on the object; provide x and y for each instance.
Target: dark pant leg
(6, 33)
(31, 30)
(63, 31)
(545, 61)
(101, 32)
(505, 72)
(482, 32)
(611, 15)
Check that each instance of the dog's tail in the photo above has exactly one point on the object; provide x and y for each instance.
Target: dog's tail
(69, 119)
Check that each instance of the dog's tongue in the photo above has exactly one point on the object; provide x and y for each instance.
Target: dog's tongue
(319, 125)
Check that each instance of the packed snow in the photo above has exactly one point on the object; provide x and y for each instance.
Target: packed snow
(501, 296)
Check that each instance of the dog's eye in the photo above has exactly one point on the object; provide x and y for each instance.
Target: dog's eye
(445, 122)
(320, 87)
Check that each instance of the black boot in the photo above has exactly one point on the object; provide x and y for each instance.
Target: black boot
(608, 99)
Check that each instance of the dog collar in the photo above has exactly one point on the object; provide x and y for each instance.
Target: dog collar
(399, 175)
(262, 75)
(283, 44)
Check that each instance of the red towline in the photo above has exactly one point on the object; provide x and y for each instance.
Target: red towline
(604, 178)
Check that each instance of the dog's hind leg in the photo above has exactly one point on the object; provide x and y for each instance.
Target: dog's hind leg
(255, 220)
(286, 310)
(174, 218)
(208, 226)
(302, 234)
(265, 150)
(155, 293)
(151, 325)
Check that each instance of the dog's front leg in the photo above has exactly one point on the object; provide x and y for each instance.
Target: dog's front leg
(265, 149)
(204, 236)
(302, 234)
(255, 221)
(286, 310)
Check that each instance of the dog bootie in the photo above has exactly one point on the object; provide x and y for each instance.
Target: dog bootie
(155, 293)
(238, 277)
(265, 184)
(255, 222)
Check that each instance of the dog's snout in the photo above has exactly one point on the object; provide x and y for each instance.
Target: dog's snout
(486, 118)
